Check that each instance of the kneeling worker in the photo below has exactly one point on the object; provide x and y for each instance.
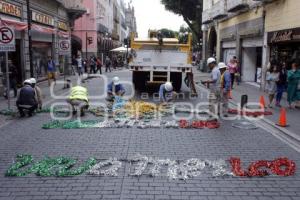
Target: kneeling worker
(166, 93)
(115, 88)
(38, 93)
(26, 99)
(79, 98)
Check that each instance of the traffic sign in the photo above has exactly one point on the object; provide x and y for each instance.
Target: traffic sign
(64, 47)
(7, 39)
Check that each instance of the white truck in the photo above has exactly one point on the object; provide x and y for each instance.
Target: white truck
(156, 61)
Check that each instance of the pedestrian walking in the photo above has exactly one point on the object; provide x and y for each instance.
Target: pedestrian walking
(99, 65)
(107, 64)
(85, 66)
(272, 78)
(93, 64)
(51, 70)
(79, 65)
(38, 93)
(282, 83)
(293, 85)
(233, 69)
(26, 99)
(214, 86)
(225, 87)
(74, 65)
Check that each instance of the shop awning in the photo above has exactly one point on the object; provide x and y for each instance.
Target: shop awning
(121, 50)
(63, 34)
(43, 29)
(19, 26)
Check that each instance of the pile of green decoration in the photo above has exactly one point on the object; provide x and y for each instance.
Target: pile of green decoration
(60, 166)
(70, 124)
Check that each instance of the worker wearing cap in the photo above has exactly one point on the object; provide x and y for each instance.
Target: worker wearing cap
(225, 86)
(166, 93)
(115, 88)
(79, 98)
(26, 99)
(38, 93)
(214, 86)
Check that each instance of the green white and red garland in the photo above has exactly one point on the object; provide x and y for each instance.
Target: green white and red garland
(147, 166)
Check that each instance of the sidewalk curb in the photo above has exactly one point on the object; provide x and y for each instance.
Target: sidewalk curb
(290, 138)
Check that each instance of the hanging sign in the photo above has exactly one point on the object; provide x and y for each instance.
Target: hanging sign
(42, 18)
(7, 39)
(64, 47)
(10, 9)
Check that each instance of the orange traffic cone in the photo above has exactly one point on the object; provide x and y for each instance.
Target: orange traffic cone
(262, 102)
(282, 118)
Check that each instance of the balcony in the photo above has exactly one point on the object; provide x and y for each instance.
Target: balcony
(265, 1)
(74, 7)
(219, 10)
(115, 35)
(206, 16)
(237, 5)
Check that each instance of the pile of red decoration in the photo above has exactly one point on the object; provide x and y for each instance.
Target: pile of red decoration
(249, 113)
(199, 124)
(280, 167)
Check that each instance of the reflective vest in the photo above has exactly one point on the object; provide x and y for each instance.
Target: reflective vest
(79, 93)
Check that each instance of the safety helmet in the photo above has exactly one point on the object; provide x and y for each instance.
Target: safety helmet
(116, 80)
(33, 81)
(168, 86)
(27, 82)
(222, 65)
(211, 60)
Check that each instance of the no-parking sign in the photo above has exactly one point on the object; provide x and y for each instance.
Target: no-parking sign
(7, 39)
(64, 47)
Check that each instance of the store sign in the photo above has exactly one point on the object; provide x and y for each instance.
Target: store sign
(7, 39)
(63, 26)
(10, 9)
(42, 18)
(284, 36)
(64, 47)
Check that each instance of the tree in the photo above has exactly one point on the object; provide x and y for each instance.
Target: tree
(190, 10)
(167, 33)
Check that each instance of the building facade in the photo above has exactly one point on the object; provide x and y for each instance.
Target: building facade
(131, 20)
(282, 27)
(102, 28)
(51, 21)
(254, 31)
(235, 28)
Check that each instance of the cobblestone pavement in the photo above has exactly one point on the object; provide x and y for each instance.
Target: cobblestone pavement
(26, 137)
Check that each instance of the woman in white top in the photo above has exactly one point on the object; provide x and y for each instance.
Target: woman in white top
(271, 86)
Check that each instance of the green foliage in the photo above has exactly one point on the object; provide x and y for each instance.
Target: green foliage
(190, 10)
(167, 33)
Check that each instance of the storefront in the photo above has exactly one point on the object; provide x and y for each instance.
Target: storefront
(228, 50)
(285, 45)
(252, 59)
(10, 15)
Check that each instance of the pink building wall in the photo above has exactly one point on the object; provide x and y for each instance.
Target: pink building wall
(87, 26)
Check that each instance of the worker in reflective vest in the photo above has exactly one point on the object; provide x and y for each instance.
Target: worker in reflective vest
(79, 99)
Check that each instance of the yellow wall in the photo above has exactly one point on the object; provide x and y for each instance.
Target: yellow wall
(282, 14)
(247, 16)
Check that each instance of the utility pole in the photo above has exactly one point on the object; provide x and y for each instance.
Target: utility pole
(29, 20)
(86, 45)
